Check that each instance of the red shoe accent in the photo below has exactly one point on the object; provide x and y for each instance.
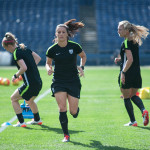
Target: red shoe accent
(24, 125)
(40, 123)
(145, 116)
(66, 138)
(135, 125)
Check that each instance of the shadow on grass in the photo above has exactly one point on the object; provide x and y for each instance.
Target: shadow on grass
(145, 128)
(57, 130)
(98, 146)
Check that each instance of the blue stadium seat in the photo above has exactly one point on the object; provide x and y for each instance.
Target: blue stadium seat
(109, 13)
(34, 21)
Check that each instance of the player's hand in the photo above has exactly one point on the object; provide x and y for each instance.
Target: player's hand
(50, 71)
(122, 78)
(81, 72)
(13, 78)
(117, 60)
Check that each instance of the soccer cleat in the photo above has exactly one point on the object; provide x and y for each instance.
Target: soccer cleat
(66, 138)
(35, 122)
(20, 125)
(145, 116)
(131, 124)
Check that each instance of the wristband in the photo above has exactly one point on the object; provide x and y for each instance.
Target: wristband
(15, 76)
(124, 73)
(82, 67)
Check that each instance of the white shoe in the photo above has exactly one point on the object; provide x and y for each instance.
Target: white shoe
(35, 122)
(131, 124)
(20, 125)
(66, 138)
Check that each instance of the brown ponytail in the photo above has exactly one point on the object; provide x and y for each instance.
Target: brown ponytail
(9, 39)
(71, 27)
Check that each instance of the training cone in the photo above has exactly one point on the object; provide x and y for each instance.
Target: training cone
(6, 124)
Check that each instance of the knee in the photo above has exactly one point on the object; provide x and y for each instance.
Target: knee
(62, 108)
(12, 98)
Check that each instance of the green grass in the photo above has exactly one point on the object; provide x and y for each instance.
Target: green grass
(98, 127)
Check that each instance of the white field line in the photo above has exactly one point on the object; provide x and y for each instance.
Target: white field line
(15, 117)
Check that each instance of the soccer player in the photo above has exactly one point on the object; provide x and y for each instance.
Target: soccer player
(26, 62)
(130, 76)
(66, 83)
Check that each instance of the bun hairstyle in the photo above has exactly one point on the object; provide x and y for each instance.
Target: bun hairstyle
(9, 39)
(71, 27)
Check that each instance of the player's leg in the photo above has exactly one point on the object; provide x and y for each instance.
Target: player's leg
(35, 111)
(136, 99)
(73, 106)
(61, 98)
(73, 98)
(129, 107)
(15, 97)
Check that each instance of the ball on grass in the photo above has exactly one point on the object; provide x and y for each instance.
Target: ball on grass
(1, 80)
(6, 82)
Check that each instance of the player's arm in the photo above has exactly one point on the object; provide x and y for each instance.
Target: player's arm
(22, 69)
(36, 57)
(83, 58)
(49, 65)
(82, 63)
(129, 60)
(127, 65)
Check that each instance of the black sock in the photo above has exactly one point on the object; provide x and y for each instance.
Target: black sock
(64, 122)
(129, 109)
(76, 115)
(36, 117)
(138, 102)
(20, 117)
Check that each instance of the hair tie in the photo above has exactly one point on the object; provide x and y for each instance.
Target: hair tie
(9, 41)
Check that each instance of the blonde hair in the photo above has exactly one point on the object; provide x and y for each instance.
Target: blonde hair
(137, 32)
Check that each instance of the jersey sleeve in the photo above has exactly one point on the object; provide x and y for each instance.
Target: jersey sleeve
(78, 49)
(50, 53)
(18, 55)
(127, 45)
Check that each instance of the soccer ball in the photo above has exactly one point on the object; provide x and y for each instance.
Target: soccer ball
(1, 80)
(5, 82)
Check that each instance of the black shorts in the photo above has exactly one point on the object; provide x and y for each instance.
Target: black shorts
(27, 92)
(131, 81)
(72, 88)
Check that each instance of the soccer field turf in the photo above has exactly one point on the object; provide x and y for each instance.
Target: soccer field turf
(99, 125)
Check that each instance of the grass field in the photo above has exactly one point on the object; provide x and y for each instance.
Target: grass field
(98, 127)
